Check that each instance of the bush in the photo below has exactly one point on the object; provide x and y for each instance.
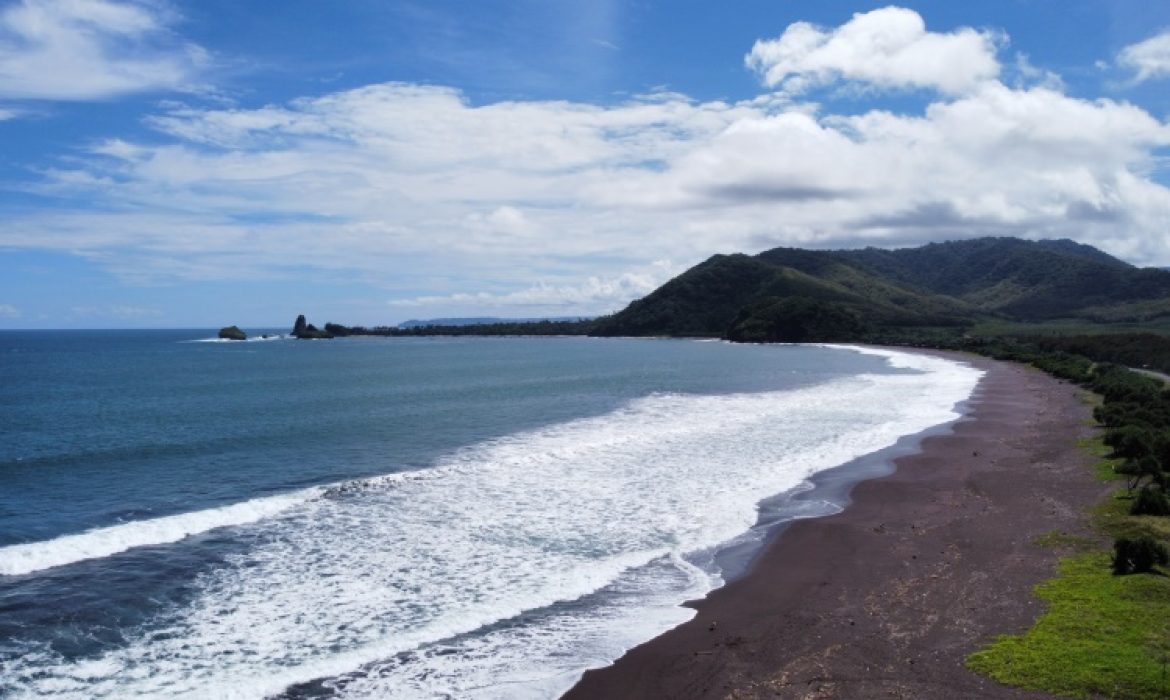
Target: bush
(1151, 500)
(1138, 556)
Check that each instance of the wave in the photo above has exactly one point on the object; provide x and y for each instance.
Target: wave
(102, 542)
(265, 338)
(512, 565)
(30, 557)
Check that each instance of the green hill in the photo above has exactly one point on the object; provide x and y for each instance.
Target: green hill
(810, 295)
(1022, 280)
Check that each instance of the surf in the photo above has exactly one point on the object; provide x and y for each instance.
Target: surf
(510, 565)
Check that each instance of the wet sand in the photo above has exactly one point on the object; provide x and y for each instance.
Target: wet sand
(887, 599)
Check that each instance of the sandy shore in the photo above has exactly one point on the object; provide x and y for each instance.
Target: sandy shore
(886, 599)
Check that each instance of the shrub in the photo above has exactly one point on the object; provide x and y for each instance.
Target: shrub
(1151, 500)
(1138, 556)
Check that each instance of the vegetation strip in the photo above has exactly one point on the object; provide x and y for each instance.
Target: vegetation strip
(1107, 628)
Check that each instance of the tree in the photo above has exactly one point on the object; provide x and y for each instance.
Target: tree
(1130, 442)
(1137, 469)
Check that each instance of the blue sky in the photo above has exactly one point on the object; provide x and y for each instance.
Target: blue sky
(195, 164)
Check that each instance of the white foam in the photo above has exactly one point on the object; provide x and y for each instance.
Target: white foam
(540, 658)
(264, 338)
(380, 587)
(26, 558)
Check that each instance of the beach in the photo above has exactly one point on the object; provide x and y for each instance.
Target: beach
(888, 598)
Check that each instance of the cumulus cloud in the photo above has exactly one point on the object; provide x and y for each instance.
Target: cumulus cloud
(1148, 59)
(90, 50)
(886, 48)
(9, 311)
(415, 189)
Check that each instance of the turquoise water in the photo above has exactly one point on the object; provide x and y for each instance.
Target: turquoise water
(415, 517)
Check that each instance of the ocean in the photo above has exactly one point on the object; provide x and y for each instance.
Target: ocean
(401, 518)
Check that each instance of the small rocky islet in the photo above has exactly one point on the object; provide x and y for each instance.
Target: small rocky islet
(232, 333)
(307, 331)
(301, 330)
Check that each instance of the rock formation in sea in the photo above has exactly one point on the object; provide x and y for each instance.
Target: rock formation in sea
(307, 331)
(232, 333)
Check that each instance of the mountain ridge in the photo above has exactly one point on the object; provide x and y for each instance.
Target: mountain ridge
(795, 294)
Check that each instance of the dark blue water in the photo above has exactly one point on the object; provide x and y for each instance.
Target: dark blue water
(101, 427)
(107, 428)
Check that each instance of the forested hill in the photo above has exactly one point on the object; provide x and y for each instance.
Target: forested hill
(790, 294)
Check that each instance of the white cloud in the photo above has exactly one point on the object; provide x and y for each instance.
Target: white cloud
(9, 311)
(1029, 74)
(887, 48)
(596, 295)
(414, 189)
(91, 50)
(1149, 59)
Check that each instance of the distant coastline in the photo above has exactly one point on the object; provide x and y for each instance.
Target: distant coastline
(1055, 295)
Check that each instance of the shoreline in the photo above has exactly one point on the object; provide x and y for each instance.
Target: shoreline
(833, 488)
(823, 494)
(931, 559)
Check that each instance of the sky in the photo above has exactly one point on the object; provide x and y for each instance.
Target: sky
(200, 164)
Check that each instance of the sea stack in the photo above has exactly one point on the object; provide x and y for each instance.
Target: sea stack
(232, 333)
(307, 331)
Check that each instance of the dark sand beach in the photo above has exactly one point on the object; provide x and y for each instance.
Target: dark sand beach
(887, 599)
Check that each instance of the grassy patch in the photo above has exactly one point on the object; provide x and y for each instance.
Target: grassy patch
(1103, 467)
(1057, 539)
(1102, 635)
(1112, 518)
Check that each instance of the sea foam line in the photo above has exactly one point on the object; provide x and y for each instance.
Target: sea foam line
(30, 557)
(102, 542)
(257, 339)
(513, 524)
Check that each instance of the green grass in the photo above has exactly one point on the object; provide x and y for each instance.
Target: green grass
(1112, 517)
(1102, 635)
(1057, 539)
(1103, 467)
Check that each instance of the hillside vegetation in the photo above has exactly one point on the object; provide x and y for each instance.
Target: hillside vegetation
(1055, 296)
(891, 295)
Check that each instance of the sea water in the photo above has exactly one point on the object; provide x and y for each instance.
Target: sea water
(406, 518)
